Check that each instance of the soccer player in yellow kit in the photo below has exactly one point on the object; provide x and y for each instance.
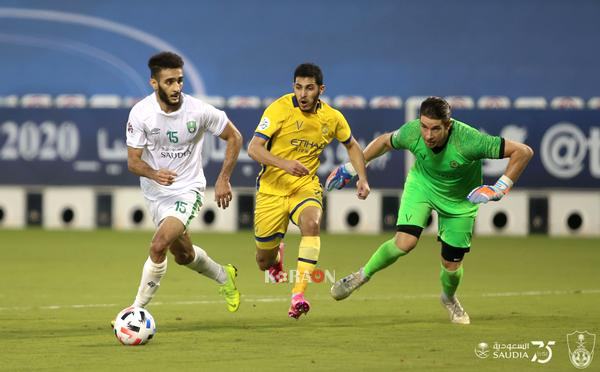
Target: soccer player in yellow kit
(291, 135)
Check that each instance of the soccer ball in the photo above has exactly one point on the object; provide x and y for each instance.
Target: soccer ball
(134, 326)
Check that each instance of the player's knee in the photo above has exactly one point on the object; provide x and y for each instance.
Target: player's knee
(407, 237)
(159, 245)
(452, 256)
(264, 261)
(310, 227)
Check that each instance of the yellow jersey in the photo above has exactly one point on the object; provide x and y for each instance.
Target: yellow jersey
(296, 135)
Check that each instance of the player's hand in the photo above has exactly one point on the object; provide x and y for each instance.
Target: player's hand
(486, 193)
(363, 189)
(223, 194)
(340, 176)
(165, 177)
(295, 168)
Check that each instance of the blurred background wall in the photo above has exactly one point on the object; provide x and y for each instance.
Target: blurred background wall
(523, 70)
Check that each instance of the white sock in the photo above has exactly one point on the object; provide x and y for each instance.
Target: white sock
(206, 266)
(151, 275)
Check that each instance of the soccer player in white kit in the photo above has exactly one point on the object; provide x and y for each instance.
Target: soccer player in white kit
(165, 133)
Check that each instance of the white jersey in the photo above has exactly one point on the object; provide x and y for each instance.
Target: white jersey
(173, 141)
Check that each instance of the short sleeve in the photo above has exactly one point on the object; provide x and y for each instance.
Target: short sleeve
(136, 136)
(407, 136)
(342, 129)
(270, 122)
(214, 120)
(481, 145)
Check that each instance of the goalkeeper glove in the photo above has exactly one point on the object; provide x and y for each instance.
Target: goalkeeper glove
(486, 193)
(340, 177)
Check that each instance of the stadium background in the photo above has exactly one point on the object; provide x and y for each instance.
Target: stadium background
(73, 227)
(70, 74)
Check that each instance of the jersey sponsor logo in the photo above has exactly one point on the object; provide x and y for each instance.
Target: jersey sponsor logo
(303, 145)
(191, 126)
(175, 155)
(264, 123)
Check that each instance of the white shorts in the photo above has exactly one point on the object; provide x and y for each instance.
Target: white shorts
(184, 207)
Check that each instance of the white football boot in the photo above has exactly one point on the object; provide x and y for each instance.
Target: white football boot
(348, 284)
(458, 315)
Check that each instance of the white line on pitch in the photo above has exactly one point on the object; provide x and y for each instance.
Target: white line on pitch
(286, 298)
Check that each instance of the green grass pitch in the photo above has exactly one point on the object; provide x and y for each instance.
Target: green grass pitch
(59, 291)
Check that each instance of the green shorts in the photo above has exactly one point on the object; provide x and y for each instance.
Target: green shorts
(416, 206)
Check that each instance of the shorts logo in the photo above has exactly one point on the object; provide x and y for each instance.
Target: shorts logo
(264, 123)
(581, 348)
(191, 126)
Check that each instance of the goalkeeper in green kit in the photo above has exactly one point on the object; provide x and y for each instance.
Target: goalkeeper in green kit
(447, 178)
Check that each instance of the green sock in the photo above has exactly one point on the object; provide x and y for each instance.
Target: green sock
(386, 254)
(450, 280)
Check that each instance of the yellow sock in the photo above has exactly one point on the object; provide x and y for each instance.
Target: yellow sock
(308, 255)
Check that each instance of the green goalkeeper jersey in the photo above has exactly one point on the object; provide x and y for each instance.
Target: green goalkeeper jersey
(448, 174)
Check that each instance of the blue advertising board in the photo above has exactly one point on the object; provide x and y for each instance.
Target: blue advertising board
(87, 146)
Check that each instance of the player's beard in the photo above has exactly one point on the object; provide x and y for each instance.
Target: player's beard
(162, 95)
(312, 107)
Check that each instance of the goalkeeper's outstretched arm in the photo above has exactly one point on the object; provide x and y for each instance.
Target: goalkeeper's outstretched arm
(378, 147)
(341, 175)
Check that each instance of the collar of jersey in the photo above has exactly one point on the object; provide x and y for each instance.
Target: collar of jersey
(160, 111)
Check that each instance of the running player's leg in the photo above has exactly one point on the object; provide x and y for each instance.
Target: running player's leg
(306, 212)
(413, 214)
(156, 264)
(196, 258)
(171, 215)
(270, 225)
(455, 235)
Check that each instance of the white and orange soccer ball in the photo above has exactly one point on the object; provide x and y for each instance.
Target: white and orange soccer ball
(134, 326)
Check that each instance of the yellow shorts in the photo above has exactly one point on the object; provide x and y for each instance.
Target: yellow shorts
(272, 213)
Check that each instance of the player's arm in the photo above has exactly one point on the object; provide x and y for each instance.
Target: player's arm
(342, 175)
(519, 155)
(357, 159)
(258, 152)
(137, 166)
(378, 147)
(232, 136)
